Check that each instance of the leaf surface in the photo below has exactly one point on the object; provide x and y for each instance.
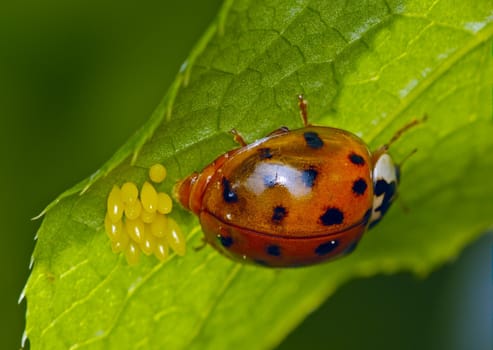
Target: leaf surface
(367, 67)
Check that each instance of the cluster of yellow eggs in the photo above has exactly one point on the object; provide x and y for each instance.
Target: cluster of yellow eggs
(137, 222)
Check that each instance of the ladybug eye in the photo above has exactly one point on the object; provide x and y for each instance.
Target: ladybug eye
(137, 223)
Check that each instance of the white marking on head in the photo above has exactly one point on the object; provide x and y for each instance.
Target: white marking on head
(385, 169)
(377, 202)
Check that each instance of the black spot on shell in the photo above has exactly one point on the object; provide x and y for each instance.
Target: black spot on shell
(273, 250)
(308, 176)
(326, 248)
(229, 195)
(278, 214)
(264, 153)
(226, 241)
(313, 140)
(356, 159)
(359, 187)
(332, 216)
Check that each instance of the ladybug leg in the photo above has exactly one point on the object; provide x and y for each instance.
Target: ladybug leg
(303, 104)
(201, 245)
(402, 204)
(238, 138)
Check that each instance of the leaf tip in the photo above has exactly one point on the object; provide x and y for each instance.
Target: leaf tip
(45, 210)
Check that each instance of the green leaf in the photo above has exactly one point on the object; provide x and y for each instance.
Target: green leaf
(368, 67)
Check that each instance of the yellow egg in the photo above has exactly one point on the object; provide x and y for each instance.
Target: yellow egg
(115, 204)
(132, 253)
(174, 237)
(148, 241)
(130, 192)
(113, 229)
(147, 217)
(136, 224)
(164, 203)
(160, 249)
(119, 245)
(159, 225)
(157, 173)
(135, 229)
(148, 197)
(133, 210)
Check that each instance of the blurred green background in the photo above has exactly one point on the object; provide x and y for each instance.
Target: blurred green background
(77, 78)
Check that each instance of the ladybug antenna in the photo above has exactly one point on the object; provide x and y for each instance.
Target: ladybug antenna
(398, 167)
(405, 128)
(407, 157)
(402, 204)
(303, 105)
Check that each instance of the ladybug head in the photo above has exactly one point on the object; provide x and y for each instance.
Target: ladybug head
(386, 176)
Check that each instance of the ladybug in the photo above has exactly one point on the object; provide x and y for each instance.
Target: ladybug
(293, 198)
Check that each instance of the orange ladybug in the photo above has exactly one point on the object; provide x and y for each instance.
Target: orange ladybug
(293, 198)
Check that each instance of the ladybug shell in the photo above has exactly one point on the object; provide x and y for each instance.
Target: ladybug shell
(292, 198)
